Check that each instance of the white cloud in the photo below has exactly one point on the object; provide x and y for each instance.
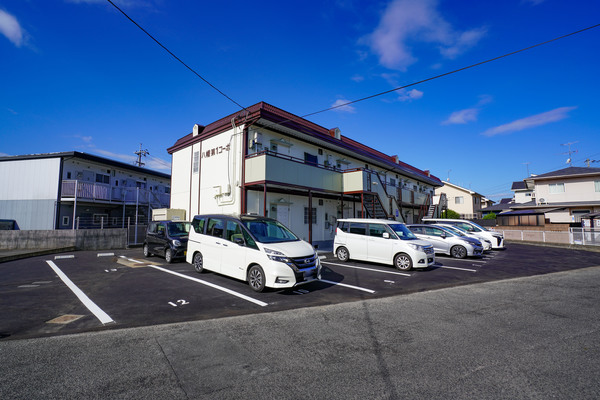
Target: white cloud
(462, 117)
(4, 154)
(530, 122)
(410, 95)
(406, 22)
(10, 27)
(468, 114)
(358, 78)
(341, 108)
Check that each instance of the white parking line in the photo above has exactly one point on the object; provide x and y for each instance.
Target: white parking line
(464, 259)
(212, 285)
(461, 269)
(105, 254)
(64, 257)
(97, 311)
(368, 269)
(132, 260)
(348, 286)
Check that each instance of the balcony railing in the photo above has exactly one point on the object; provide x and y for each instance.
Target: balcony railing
(72, 189)
(274, 167)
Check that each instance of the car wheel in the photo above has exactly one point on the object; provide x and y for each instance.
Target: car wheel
(256, 278)
(458, 252)
(147, 251)
(342, 254)
(198, 262)
(403, 262)
(169, 256)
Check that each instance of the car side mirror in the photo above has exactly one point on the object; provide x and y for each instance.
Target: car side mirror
(239, 241)
(386, 235)
(443, 235)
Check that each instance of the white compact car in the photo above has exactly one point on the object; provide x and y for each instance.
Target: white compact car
(255, 249)
(487, 245)
(496, 238)
(447, 242)
(382, 241)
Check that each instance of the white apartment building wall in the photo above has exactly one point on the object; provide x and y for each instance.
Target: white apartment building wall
(285, 173)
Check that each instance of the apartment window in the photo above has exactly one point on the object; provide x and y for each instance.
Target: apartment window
(556, 188)
(196, 163)
(597, 185)
(310, 159)
(392, 182)
(65, 221)
(459, 200)
(101, 178)
(314, 215)
(68, 175)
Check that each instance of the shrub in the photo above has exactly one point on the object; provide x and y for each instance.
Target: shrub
(490, 216)
(450, 214)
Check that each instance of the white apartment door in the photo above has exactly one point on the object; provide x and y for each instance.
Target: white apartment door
(283, 214)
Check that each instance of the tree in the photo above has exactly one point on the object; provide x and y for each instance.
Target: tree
(490, 216)
(450, 214)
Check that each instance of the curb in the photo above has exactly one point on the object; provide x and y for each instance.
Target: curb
(33, 253)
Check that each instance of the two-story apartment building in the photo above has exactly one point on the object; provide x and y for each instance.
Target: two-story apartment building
(78, 190)
(466, 202)
(270, 162)
(562, 196)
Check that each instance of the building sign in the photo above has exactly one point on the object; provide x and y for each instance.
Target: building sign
(215, 151)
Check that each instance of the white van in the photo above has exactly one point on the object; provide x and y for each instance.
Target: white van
(496, 238)
(255, 249)
(382, 241)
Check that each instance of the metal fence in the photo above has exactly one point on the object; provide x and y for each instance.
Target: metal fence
(136, 232)
(580, 236)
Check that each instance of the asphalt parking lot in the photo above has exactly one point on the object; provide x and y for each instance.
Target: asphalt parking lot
(91, 291)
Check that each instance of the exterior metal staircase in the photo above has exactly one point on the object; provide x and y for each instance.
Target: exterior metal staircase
(431, 211)
(373, 207)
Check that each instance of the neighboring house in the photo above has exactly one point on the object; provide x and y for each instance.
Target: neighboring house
(562, 196)
(464, 201)
(524, 191)
(78, 190)
(269, 162)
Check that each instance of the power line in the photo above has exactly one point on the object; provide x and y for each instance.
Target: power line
(175, 57)
(456, 70)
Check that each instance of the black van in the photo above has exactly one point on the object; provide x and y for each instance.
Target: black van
(167, 238)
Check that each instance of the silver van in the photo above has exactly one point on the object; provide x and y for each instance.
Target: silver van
(496, 238)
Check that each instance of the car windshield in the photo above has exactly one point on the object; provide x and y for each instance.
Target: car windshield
(269, 230)
(403, 232)
(481, 228)
(449, 232)
(178, 229)
(455, 230)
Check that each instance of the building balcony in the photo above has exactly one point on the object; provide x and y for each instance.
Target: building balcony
(275, 168)
(73, 190)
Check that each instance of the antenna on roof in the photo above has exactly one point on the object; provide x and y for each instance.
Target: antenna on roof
(140, 153)
(569, 160)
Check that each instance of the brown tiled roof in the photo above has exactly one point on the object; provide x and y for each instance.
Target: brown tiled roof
(286, 119)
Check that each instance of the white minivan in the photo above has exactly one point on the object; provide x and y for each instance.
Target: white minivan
(251, 248)
(382, 241)
(496, 238)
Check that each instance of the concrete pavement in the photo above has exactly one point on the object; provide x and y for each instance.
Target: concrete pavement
(527, 338)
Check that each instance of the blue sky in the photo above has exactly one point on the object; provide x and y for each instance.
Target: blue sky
(77, 75)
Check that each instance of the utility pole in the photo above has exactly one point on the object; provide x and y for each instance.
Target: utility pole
(140, 153)
(588, 161)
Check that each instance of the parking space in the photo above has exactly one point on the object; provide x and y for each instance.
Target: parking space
(86, 291)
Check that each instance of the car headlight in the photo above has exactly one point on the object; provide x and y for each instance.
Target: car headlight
(176, 243)
(417, 247)
(277, 256)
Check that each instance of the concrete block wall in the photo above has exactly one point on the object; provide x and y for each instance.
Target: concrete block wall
(89, 239)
